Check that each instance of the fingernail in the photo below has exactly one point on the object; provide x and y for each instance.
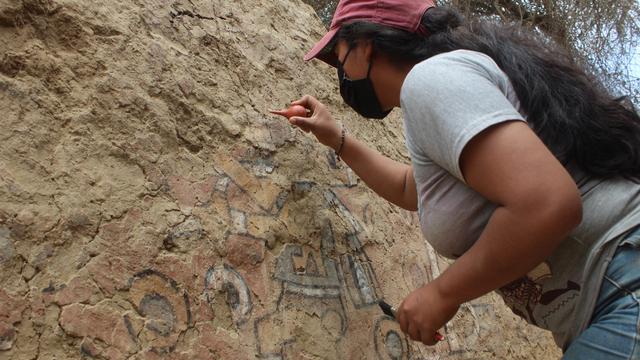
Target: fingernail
(439, 337)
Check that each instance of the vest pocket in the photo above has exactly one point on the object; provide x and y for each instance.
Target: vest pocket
(632, 239)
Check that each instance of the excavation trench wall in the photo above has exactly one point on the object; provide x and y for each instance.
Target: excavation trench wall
(150, 207)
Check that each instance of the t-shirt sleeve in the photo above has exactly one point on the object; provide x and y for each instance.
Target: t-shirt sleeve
(447, 100)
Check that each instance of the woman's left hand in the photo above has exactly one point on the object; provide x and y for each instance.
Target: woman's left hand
(425, 311)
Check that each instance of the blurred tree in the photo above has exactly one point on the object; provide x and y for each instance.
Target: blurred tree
(601, 35)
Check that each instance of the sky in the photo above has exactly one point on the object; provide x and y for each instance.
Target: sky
(634, 72)
(635, 63)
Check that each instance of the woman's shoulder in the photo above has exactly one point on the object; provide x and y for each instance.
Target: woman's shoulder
(457, 62)
(452, 69)
(459, 55)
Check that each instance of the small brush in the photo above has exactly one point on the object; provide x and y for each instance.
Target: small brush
(391, 311)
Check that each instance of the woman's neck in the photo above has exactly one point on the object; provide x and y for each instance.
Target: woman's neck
(389, 78)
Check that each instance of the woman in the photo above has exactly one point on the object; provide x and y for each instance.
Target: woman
(523, 170)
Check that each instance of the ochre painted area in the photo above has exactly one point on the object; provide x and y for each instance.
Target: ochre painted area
(151, 207)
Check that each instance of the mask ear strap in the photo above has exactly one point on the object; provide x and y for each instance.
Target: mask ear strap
(345, 57)
(370, 62)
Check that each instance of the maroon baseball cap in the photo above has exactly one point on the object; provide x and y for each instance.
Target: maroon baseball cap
(401, 14)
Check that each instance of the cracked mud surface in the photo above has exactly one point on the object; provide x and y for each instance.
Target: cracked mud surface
(151, 208)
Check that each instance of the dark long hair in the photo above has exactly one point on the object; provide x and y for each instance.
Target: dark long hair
(576, 118)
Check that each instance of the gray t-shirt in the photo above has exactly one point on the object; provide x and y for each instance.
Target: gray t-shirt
(446, 101)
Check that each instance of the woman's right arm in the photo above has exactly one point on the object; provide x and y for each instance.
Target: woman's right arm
(390, 179)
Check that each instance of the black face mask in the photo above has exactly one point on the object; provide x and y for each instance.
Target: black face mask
(359, 94)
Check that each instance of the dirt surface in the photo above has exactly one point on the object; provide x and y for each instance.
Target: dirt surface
(151, 208)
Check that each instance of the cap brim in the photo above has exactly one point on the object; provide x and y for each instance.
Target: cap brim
(327, 56)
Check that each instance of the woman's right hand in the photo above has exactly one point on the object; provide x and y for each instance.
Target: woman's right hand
(320, 122)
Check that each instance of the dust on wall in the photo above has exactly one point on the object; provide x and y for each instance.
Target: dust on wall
(150, 208)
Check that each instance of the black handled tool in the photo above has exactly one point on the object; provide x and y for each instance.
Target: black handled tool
(387, 309)
(391, 311)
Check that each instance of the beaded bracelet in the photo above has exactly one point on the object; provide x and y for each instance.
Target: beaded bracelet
(341, 144)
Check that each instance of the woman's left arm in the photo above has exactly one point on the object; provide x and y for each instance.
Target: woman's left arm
(538, 205)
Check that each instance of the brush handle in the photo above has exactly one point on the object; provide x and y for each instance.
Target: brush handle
(391, 311)
(387, 309)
